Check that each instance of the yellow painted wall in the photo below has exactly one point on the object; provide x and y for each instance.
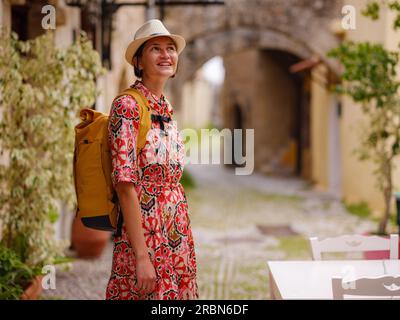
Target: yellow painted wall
(198, 96)
(320, 101)
(358, 180)
(5, 13)
(392, 41)
(357, 177)
(127, 21)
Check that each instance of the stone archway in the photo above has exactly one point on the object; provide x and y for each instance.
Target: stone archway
(225, 42)
(222, 43)
(301, 29)
(238, 39)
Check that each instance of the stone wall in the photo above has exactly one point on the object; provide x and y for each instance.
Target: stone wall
(257, 88)
(300, 27)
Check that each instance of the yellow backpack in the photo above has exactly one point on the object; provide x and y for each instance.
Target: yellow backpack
(97, 203)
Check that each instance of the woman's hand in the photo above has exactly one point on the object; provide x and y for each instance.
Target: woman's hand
(145, 274)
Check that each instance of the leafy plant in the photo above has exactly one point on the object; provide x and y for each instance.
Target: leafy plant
(187, 180)
(372, 10)
(42, 88)
(370, 78)
(360, 209)
(14, 274)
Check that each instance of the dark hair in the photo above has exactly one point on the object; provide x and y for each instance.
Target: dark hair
(138, 55)
(139, 72)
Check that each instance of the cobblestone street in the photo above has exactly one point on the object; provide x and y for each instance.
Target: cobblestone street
(239, 223)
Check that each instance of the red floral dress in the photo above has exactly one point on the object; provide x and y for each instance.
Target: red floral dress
(156, 174)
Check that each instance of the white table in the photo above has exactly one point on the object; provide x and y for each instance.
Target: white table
(312, 279)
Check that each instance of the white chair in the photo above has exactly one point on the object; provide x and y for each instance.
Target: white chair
(354, 243)
(382, 287)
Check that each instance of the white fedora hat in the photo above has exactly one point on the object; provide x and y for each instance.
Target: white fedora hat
(151, 29)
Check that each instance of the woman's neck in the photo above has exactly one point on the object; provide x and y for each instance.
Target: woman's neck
(156, 87)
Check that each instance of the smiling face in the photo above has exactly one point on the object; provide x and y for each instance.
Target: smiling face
(159, 58)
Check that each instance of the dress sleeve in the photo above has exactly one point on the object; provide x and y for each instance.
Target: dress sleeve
(123, 132)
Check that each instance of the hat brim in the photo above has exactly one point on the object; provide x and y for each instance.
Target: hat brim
(135, 45)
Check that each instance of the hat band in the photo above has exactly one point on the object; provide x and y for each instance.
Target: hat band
(156, 34)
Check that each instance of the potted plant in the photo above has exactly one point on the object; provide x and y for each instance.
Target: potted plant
(370, 78)
(16, 277)
(42, 88)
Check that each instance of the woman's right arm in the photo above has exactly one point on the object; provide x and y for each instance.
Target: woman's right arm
(123, 131)
(129, 203)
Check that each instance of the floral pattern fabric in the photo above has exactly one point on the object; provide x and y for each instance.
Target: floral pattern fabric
(155, 173)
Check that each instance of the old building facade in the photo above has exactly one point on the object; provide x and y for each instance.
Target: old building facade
(277, 80)
(25, 18)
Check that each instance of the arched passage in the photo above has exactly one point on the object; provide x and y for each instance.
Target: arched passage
(275, 103)
(282, 133)
(203, 47)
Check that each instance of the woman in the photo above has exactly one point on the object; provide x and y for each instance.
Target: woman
(154, 257)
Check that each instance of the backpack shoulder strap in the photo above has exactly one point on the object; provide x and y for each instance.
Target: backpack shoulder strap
(145, 116)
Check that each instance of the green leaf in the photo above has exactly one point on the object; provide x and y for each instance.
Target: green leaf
(372, 10)
(53, 215)
(37, 132)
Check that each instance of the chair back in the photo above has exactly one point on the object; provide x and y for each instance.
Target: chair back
(354, 243)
